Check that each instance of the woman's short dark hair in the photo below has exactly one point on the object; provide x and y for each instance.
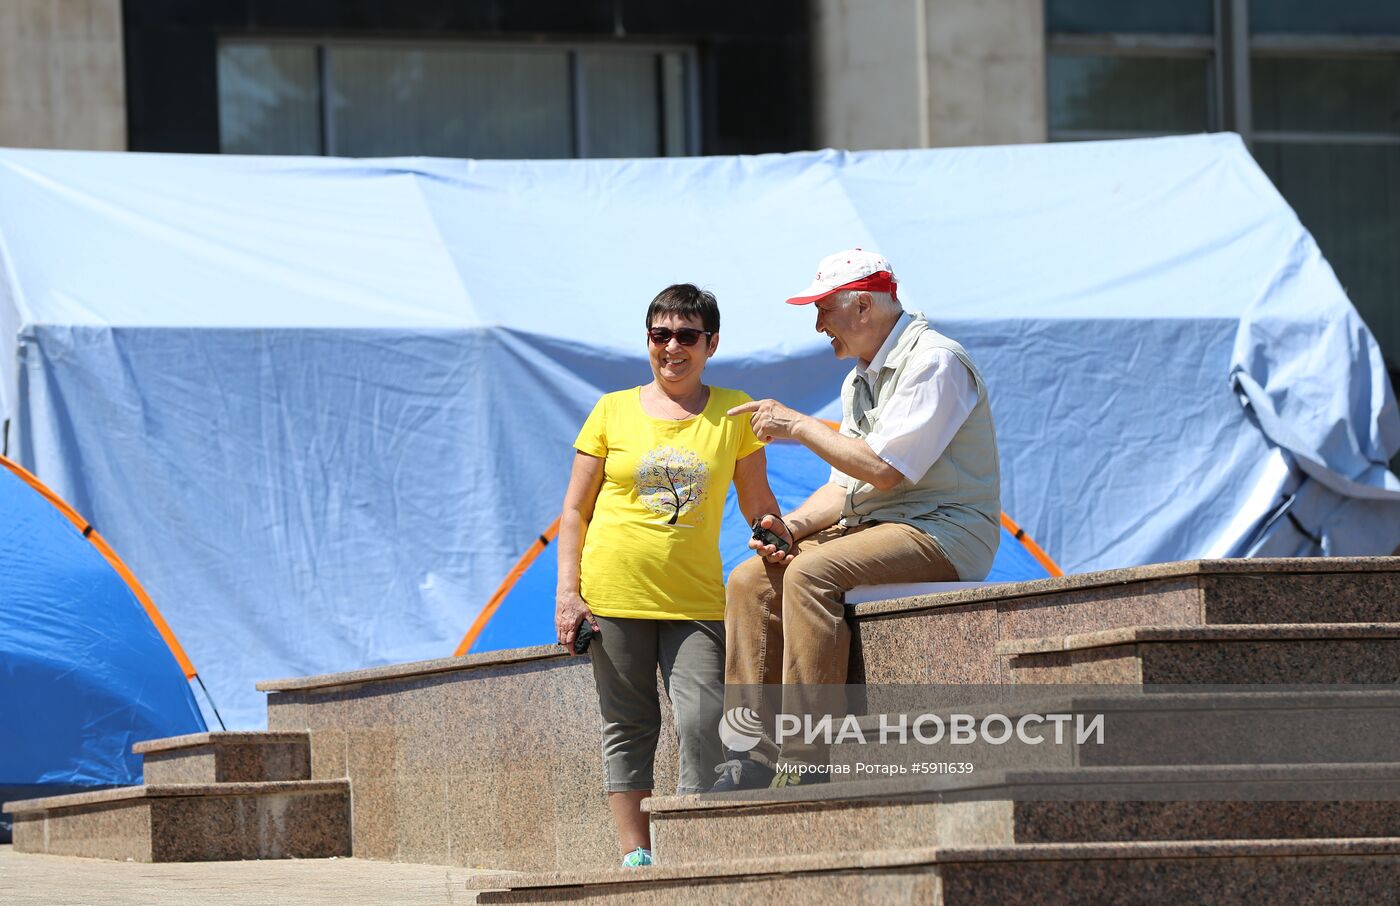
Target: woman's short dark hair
(688, 301)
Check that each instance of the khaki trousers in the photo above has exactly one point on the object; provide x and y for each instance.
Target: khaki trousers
(787, 625)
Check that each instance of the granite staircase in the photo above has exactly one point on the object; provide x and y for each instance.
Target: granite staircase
(1221, 780)
(1218, 781)
(206, 797)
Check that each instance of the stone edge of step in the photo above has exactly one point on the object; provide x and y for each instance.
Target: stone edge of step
(218, 738)
(1241, 632)
(172, 790)
(897, 790)
(905, 858)
(1132, 575)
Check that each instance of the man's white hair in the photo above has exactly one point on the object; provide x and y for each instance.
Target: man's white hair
(884, 301)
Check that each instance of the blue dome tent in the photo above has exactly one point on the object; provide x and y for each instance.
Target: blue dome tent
(87, 664)
(521, 612)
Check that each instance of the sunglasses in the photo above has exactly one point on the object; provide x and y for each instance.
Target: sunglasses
(686, 336)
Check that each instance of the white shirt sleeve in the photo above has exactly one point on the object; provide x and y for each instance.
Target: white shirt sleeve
(933, 399)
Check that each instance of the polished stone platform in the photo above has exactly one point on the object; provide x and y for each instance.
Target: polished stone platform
(492, 760)
(1080, 805)
(953, 637)
(1166, 725)
(485, 760)
(1280, 653)
(226, 758)
(295, 819)
(1206, 873)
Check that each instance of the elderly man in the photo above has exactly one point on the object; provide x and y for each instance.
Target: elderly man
(914, 496)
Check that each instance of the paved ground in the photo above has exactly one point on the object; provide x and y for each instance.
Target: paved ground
(34, 880)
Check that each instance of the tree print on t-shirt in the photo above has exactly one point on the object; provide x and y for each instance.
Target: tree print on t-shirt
(672, 481)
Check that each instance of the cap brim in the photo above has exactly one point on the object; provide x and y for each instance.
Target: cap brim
(812, 293)
(880, 281)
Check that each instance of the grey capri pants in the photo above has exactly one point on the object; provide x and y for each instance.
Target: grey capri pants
(690, 654)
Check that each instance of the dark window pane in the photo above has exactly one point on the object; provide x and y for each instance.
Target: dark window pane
(622, 112)
(1323, 17)
(1129, 94)
(1348, 196)
(1327, 95)
(760, 92)
(269, 99)
(450, 102)
(1192, 17)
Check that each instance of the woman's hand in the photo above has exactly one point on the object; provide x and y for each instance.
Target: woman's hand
(770, 552)
(570, 610)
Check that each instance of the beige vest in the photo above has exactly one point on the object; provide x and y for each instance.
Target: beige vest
(958, 500)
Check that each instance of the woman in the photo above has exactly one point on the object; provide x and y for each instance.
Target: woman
(639, 554)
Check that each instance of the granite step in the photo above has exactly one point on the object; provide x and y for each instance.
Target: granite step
(1350, 871)
(426, 744)
(289, 819)
(1286, 654)
(1156, 726)
(225, 757)
(1082, 805)
(951, 637)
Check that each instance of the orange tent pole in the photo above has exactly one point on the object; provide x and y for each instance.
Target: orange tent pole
(1029, 544)
(112, 559)
(506, 585)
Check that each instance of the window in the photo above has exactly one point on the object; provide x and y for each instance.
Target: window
(269, 99)
(1116, 95)
(1125, 70)
(1312, 87)
(484, 101)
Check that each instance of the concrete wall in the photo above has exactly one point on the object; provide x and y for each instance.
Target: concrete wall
(869, 90)
(61, 77)
(929, 73)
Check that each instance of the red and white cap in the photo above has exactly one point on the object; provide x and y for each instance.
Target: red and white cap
(851, 269)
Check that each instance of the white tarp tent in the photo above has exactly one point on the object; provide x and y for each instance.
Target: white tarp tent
(322, 405)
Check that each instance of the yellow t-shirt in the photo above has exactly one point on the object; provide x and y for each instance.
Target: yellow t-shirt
(652, 548)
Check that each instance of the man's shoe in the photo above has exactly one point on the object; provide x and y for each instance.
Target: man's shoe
(637, 858)
(784, 779)
(741, 773)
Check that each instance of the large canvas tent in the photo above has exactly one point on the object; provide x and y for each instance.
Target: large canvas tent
(322, 406)
(87, 664)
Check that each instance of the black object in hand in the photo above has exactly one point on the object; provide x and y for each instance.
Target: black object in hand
(768, 536)
(583, 636)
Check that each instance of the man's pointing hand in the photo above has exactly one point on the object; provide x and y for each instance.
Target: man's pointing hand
(771, 419)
